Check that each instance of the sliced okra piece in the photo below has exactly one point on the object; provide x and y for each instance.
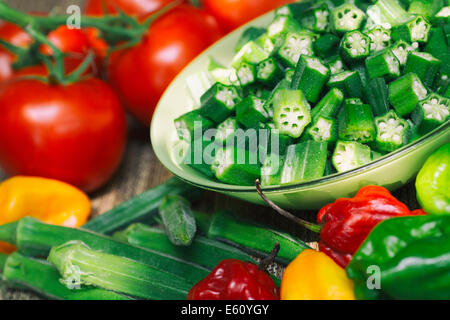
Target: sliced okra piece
(294, 45)
(346, 17)
(424, 65)
(405, 93)
(291, 112)
(416, 30)
(442, 17)
(246, 73)
(293, 9)
(335, 64)
(376, 93)
(356, 123)
(226, 130)
(266, 43)
(327, 45)
(383, 64)
(237, 166)
(426, 8)
(189, 122)
(329, 105)
(281, 26)
(269, 72)
(304, 161)
(200, 155)
(251, 53)
(251, 34)
(316, 19)
(250, 111)
(278, 143)
(401, 49)
(392, 132)
(380, 38)
(289, 75)
(431, 113)
(271, 170)
(324, 130)
(310, 77)
(438, 47)
(388, 13)
(350, 155)
(355, 46)
(219, 102)
(348, 82)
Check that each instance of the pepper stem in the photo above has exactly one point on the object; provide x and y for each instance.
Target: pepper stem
(264, 263)
(306, 224)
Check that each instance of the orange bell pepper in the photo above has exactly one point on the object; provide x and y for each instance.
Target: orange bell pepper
(48, 200)
(315, 276)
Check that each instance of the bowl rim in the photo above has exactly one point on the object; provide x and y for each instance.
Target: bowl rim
(228, 188)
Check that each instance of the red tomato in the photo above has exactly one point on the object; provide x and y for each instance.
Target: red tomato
(16, 36)
(142, 73)
(76, 43)
(74, 133)
(233, 13)
(140, 8)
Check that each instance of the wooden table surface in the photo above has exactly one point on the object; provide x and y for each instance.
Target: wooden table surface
(141, 170)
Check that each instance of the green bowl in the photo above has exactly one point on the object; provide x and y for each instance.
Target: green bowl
(392, 171)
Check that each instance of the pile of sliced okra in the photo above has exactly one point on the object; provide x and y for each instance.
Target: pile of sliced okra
(327, 87)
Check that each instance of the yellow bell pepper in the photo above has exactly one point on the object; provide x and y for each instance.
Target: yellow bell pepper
(48, 200)
(315, 276)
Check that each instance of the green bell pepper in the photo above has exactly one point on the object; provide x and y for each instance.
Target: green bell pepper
(433, 182)
(404, 258)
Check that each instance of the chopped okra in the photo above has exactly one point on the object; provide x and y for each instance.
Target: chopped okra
(246, 74)
(424, 65)
(225, 130)
(304, 161)
(348, 82)
(326, 87)
(291, 112)
(401, 49)
(355, 46)
(349, 155)
(316, 19)
(356, 122)
(219, 102)
(310, 77)
(294, 45)
(269, 72)
(431, 113)
(324, 130)
(251, 53)
(188, 123)
(347, 17)
(405, 93)
(281, 26)
(417, 30)
(392, 132)
(383, 64)
(380, 38)
(250, 112)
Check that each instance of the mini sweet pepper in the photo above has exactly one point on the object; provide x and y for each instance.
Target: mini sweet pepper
(48, 200)
(315, 276)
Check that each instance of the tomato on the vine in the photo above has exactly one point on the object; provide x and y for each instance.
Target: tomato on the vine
(16, 36)
(139, 8)
(74, 133)
(142, 73)
(233, 13)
